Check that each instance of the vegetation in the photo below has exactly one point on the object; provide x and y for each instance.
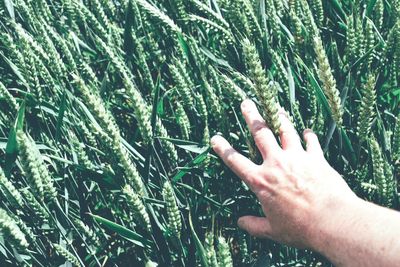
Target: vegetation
(107, 108)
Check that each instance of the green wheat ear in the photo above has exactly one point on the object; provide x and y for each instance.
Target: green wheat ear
(8, 98)
(224, 253)
(366, 110)
(174, 217)
(183, 121)
(138, 103)
(369, 40)
(262, 88)
(63, 252)
(183, 83)
(213, 102)
(85, 230)
(36, 206)
(318, 11)
(167, 146)
(12, 233)
(378, 15)
(232, 89)
(237, 17)
(9, 191)
(383, 175)
(82, 156)
(210, 250)
(251, 17)
(273, 20)
(111, 135)
(157, 14)
(396, 140)
(351, 40)
(328, 81)
(35, 168)
(244, 252)
(137, 207)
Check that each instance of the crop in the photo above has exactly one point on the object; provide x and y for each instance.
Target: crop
(107, 109)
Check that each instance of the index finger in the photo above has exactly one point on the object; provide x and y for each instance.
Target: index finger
(263, 136)
(238, 163)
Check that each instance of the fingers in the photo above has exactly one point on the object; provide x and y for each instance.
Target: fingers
(289, 137)
(312, 144)
(255, 226)
(238, 163)
(263, 136)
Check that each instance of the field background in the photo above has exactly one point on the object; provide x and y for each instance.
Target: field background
(107, 108)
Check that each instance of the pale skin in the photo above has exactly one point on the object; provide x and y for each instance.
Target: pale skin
(306, 202)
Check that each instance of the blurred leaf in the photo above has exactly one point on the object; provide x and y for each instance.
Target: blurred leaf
(10, 8)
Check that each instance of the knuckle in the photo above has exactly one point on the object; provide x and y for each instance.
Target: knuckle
(257, 184)
(258, 126)
(254, 178)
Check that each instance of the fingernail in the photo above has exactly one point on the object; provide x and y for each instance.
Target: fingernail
(214, 140)
(307, 131)
(240, 223)
(282, 112)
(246, 105)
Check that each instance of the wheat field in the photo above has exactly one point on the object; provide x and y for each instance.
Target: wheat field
(107, 108)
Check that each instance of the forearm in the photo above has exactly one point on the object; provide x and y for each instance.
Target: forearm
(359, 233)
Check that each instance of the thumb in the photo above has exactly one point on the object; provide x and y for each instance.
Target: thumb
(256, 226)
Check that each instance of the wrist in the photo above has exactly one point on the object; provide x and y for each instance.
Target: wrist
(337, 217)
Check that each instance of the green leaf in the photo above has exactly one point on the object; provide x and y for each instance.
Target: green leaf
(194, 148)
(208, 199)
(214, 58)
(153, 127)
(348, 146)
(370, 7)
(183, 45)
(126, 233)
(15, 69)
(337, 6)
(128, 40)
(60, 116)
(79, 43)
(317, 88)
(200, 249)
(12, 146)
(178, 142)
(195, 162)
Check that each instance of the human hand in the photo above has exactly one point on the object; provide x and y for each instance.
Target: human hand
(298, 189)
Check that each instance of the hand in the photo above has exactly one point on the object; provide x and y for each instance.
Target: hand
(298, 189)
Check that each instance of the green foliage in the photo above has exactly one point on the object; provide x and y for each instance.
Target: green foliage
(101, 102)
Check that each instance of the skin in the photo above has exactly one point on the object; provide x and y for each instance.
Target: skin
(306, 202)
